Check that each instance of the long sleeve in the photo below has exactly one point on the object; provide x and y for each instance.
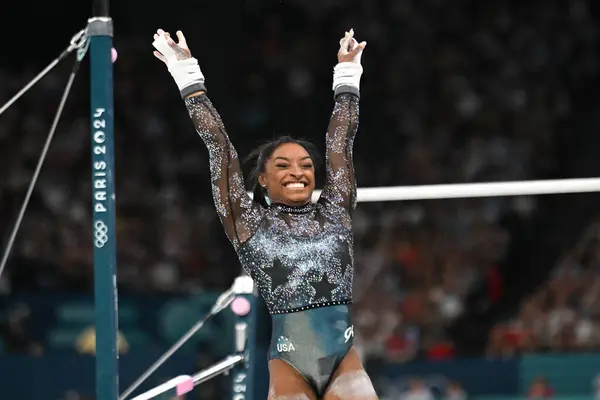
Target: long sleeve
(340, 181)
(239, 215)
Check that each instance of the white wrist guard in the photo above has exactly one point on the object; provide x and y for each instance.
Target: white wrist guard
(186, 73)
(347, 74)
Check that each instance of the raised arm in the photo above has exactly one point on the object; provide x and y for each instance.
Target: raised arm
(340, 181)
(239, 215)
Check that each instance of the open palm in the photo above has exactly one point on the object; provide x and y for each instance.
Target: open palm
(180, 48)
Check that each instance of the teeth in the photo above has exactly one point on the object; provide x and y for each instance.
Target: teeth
(295, 185)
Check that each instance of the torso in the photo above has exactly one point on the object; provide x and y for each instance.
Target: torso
(301, 259)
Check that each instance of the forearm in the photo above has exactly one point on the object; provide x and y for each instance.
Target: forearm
(207, 122)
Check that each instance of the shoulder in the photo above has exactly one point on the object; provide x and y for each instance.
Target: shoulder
(333, 212)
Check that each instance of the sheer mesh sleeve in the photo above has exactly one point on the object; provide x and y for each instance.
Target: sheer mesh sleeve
(340, 182)
(238, 213)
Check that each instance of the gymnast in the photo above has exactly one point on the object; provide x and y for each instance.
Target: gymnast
(299, 253)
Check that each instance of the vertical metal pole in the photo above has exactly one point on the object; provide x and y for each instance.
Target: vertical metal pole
(100, 33)
(243, 307)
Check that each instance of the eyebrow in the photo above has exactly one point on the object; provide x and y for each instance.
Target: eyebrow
(287, 159)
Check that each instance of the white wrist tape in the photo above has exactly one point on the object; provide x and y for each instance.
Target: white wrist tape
(347, 74)
(185, 72)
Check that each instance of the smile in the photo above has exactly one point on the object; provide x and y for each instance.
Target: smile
(295, 185)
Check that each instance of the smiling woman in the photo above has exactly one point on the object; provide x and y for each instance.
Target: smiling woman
(299, 253)
(284, 171)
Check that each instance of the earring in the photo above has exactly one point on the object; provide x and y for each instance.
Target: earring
(267, 199)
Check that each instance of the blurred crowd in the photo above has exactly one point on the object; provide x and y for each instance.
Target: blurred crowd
(452, 92)
(563, 315)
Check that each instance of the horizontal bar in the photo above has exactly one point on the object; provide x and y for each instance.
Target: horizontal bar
(471, 190)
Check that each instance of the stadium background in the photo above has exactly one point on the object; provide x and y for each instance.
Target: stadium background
(494, 296)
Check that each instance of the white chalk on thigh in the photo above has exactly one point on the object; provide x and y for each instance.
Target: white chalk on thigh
(296, 396)
(353, 385)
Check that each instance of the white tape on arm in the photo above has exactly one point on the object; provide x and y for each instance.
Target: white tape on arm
(186, 72)
(347, 74)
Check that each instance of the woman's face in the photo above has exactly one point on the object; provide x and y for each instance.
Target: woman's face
(289, 175)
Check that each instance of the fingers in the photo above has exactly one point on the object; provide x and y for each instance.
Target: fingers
(180, 36)
(159, 56)
(180, 49)
(170, 41)
(345, 42)
(181, 39)
(358, 47)
(167, 35)
(350, 49)
(349, 45)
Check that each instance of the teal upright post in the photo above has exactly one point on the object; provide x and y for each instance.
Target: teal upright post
(100, 32)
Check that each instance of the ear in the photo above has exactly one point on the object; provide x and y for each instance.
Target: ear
(262, 180)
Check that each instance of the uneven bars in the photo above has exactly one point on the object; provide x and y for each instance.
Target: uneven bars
(184, 383)
(470, 190)
(101, 8)
(486, 189)
(241, 297)
(100, 33)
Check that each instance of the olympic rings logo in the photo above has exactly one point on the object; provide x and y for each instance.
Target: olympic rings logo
(100, 234)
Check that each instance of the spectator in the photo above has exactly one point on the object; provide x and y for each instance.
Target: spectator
(540, 389)
(417, 391)
(454, 391)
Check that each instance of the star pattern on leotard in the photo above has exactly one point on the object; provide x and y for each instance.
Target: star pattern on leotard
(345, 267)
(278, 274)
(323, 287)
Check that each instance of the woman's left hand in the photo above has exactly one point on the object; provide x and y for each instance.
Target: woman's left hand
(350, 49)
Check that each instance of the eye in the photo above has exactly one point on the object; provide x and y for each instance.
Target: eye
(281, 166)
(307, 166)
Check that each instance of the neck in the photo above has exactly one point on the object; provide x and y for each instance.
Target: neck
(293, 209)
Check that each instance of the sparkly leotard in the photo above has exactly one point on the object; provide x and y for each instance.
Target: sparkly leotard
(300, 258)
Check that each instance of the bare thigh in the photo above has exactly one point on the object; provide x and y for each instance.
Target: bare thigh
(350, 381)
(287, 384)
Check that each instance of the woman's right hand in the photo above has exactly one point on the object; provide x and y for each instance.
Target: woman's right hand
(180, 50)
(179, 61)
(350, 50)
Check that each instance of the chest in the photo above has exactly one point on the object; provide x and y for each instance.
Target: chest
(301, 243)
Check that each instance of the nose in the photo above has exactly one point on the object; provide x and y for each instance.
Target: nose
(297, 172)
